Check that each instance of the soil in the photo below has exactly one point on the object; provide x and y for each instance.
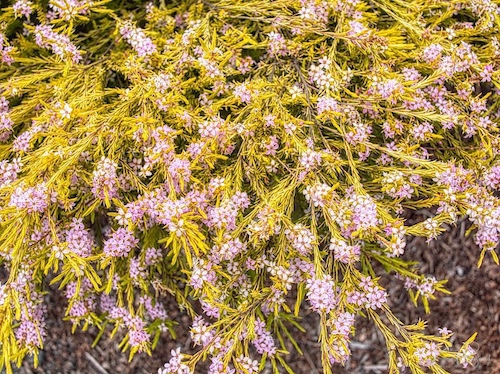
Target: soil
(474, 306)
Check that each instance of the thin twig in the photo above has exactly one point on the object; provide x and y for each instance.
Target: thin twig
(96, 364)
(314, 369)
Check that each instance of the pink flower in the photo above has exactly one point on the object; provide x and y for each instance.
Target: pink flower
(321, 294)
(444, 331)
(277, 45)
(301, 239)
(120, 243)
(432, 52)
(137, 38)
(487, 73)
(33, 199)
(104, 179)
(80, 241)
(345, 253)
(243, 93)
(60, 45)
(5, 54)
(23, 8)
(263, 342)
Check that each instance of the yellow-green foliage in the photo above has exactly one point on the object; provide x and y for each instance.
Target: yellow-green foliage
(250, 159)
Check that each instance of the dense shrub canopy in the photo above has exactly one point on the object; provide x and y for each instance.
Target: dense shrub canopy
(250, 158)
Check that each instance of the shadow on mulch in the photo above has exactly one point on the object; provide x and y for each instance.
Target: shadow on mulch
(473, 306)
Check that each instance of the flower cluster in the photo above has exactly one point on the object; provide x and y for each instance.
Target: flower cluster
(137, 38)
(59, 44)
(9, 171)
(5, 119)
(394, 185)
(277, 45)
(5, 50)
(356, 212)
(321, 294)
(317, 194)
(80, 240)
(120, 243)
(263, 342)
(175, 365)
(104, 184)
(345, 253)
(32, 199)
(23, 8)
(319, 74)
(301, 239)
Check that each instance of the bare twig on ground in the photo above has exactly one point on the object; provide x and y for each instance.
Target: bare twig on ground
(96, 364)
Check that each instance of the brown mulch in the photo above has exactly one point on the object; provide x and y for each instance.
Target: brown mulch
(474, 306)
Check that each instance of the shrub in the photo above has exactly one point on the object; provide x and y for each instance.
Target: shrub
(249, 158)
